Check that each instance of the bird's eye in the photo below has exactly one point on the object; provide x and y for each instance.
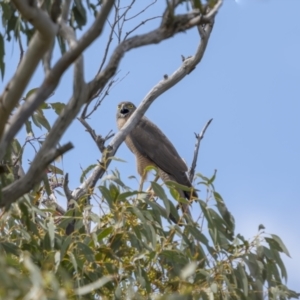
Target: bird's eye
(119, 106)
(130, 105)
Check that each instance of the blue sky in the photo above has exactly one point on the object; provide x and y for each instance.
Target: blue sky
(248, 82)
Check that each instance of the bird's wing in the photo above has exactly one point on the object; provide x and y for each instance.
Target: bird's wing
(152, 143)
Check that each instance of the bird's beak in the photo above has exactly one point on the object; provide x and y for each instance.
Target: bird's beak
(123, 110)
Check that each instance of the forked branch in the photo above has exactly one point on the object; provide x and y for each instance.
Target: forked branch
(199, 137)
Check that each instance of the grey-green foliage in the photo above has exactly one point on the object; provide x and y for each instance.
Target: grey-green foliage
(135, 250)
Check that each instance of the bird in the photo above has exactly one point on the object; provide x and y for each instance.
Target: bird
(151, 147)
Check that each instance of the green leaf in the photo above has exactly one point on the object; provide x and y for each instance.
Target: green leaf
(206, 213)
(58, 107)
(116, 180)
(261, 227)
(42, 120)
(280, 264)
(29, 93)
(188, 270)
(281, 244)
(178, 186)
(268, 253)
(79, 13)
(106, 194)
(88, 288)
(243, 279)
(212, 179)
(227, 216)
(174, 193)
(55, 170)
(11, 25)
(114, 191)
(65, 246)
(116, 159)
(86, 251)
(126, 195)
(104, 233)
(51, 227)
(16, 146)
(74, 263)
(156, 208)
(36, 121)
(205, 179)
(29, 128)
(272, 273)
(159, 191)
(86, 171)
(10, 248)
(204, 295)
(138, 213)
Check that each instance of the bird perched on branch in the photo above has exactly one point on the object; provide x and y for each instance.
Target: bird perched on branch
(152, 148)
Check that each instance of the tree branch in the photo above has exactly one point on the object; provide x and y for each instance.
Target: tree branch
(52, 79)
(199, 137)
(38, 46)
(98, 139)
(34, 175)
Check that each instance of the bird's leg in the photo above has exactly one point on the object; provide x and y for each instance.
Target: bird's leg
(155, 180)
(143, 177)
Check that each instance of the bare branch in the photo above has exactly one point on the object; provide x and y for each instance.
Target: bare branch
(38, 46)
(85, 114)
(168, 28)
(34, 175)
(99, 140)
(105, 92)
(199, 137)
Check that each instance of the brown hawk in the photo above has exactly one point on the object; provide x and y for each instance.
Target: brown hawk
(152, 148)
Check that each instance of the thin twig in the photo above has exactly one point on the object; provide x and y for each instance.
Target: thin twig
(139, 25)
(105, 92)
(199, 137)
(99, 140)
(110, 38)
(86, 115)
(140, 12)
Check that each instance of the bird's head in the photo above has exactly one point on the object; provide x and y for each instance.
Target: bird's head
(125, 109)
